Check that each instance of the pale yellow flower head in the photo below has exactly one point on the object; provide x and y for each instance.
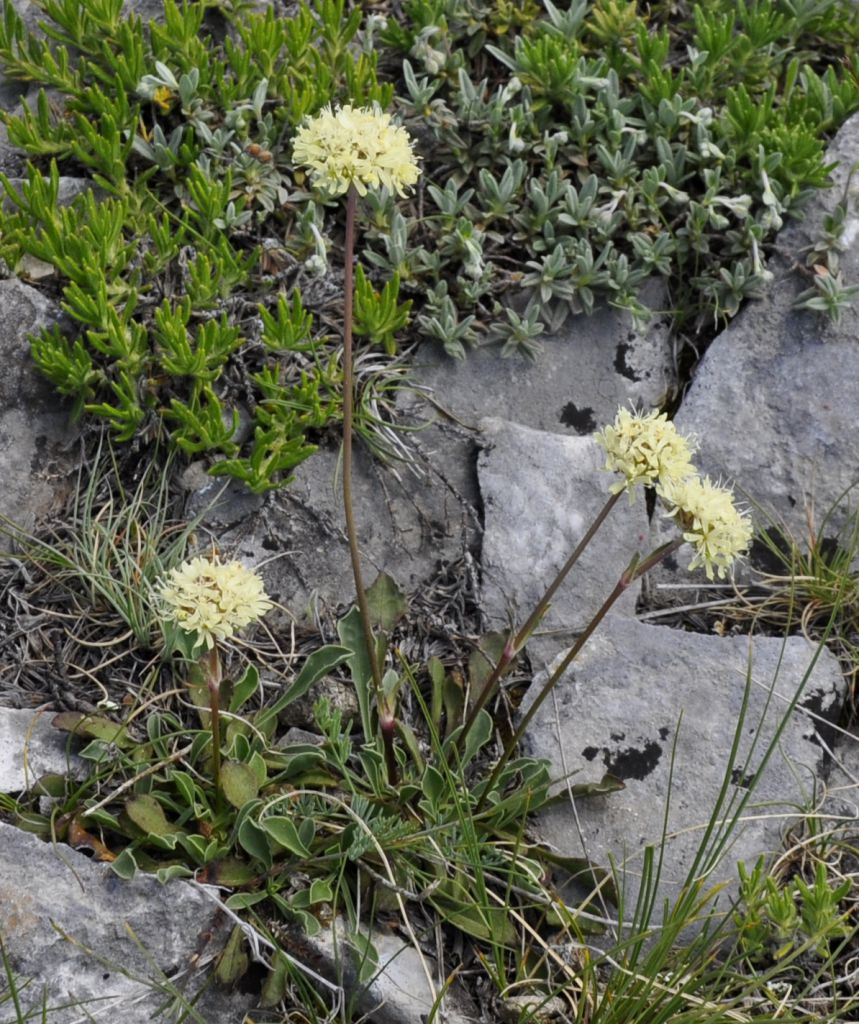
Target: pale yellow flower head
(645, 448)
(212, 599)
(710, 521)
(355, 146)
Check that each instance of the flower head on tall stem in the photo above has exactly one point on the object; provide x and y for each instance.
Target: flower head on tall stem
(207, 601)
(348, 151)
(645, 448)
(710, 521)
(357, 146)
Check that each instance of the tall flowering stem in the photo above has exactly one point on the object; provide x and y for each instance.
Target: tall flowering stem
(515, 643)
(635, 570)
(350, 150)
(646, 450)
(348, 503)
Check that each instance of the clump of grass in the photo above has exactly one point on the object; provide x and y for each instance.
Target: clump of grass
(114, 545)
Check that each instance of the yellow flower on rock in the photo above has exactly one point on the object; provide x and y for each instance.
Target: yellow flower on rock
(212, 599)
(355, 146)
(646, 449)
(710, 521)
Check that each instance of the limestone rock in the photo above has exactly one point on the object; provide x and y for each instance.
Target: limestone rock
(618, 709)
(35, 436)
(406, 526)
(774, 400)
(29, 748)
(540, 494)
(398, 992)
(575, 385)
(99, 947)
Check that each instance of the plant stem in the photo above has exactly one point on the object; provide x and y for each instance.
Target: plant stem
(386, 720)
(516, 643)
(211, 664)
(630, 574)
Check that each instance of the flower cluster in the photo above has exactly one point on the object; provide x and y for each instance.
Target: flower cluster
(355, 146)
(213, 600)
(710, 522)
(647, 449)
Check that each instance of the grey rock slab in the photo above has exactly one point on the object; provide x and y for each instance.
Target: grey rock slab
(35, 435)
(842, 786)
(574, 386)
(541, 492)
(618, 709)
(30, 748)
(774, 400)
(67, 927)
(399, 991)
(406, 526)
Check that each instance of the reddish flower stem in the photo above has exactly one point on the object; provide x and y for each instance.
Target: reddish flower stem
(632, 572)
(211, 664)
(385, 717)
(516, 643)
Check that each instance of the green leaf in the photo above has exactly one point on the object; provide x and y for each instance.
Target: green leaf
(386, 601)
(254, 841)
(478, 735)
(245, 688)
(410, 740)
(229, 871)
(125, 865)
(367, 955)
(453, 696)
(455, 905)
(233, 962)
(483, 660)
(351, 632)
(284, 832)
(92, 726)
(51, 784)
(239, 783)
(167, 874)
(317, 665)
(37, 824)
(148, 815)
(433, 786)
(435, 669)
(243, 900)
(275, 985)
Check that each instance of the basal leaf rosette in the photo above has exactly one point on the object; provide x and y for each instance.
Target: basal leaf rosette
(711, 522)
(357, 146)
(209, 601)
(647, 449)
